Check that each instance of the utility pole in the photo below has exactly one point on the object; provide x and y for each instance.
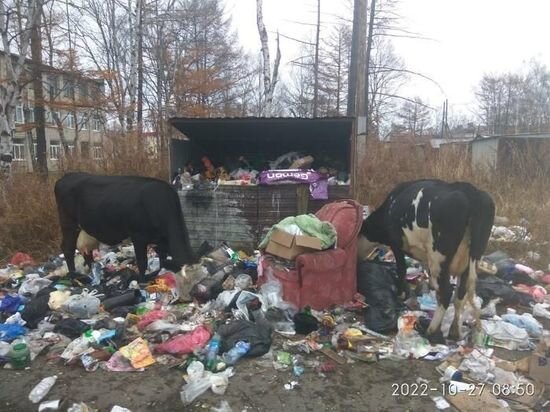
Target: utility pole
(444, 118)
(356, 89)
(316, 68)
(140, 10)
(36, 56)
(367, 69)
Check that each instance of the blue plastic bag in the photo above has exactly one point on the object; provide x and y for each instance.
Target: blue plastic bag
(11, 332)
(10, 303)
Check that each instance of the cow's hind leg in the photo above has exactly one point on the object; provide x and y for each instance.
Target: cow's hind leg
(471, 292)
(68, 245)
(464, 284)
(444, 292)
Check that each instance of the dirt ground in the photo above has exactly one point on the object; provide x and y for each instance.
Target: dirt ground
(256, 386)
(352, 387)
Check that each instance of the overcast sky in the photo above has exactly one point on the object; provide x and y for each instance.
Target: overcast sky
(467, 38)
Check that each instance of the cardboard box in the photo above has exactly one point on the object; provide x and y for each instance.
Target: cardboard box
(539, 364)
(289, 246)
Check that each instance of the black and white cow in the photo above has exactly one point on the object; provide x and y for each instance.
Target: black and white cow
(110, 209)
(444, 225)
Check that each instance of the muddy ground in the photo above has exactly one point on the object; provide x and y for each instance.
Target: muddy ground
(355, 387)
(256, 386)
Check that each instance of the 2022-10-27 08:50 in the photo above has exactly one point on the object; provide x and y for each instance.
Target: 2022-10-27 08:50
(474, 389)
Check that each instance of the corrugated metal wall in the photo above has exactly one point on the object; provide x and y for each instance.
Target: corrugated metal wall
(241, 215)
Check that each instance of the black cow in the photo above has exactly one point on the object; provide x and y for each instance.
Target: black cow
(110, 209)
(444, 225)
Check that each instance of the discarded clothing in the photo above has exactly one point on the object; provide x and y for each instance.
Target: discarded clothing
(257, 334)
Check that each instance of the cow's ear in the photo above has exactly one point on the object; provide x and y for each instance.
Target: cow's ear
(183, 273)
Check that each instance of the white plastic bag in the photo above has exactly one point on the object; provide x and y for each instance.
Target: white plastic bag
(82, 306)
(32, 284)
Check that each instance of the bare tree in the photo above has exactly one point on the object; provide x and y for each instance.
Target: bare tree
(415, 117)
(16, 21)
(270, 80)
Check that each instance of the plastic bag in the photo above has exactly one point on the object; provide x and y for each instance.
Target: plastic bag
(195, 371)
(377, 281)
(243, 281)
(10, 332)
(32, 284)
(76, 348)
(82, 306)
(192, 390)
(10, 303)
(216, 381)
(58, 299)
(272, 292)
(150, 317)
(246, 297)
(118, 363)
(525, 321)
(506, 335)
(187, 343)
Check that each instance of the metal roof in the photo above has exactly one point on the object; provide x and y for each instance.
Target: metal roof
(263, 127)
(513, 136)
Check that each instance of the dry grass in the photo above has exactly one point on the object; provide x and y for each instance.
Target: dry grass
(28, 216)
(521, 191)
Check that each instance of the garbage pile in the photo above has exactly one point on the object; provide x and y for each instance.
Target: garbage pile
(244, 172)
(204, 319)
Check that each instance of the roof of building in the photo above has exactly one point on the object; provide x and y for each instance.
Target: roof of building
(513, 136)
(252, 128)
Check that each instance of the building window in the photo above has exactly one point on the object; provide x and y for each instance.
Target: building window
(83, 121)
(83, 87)
(70, 149)
(96, 124)
(19, 117)
(31, 114)
(68, 88)
(52, 80)
(18, 150)
(97, 152)
(69, 121)
(55, 150)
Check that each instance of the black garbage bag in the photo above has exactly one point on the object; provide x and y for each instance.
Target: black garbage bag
(377, 281)
(71, 328)
(117, 282)
(304, 323)
(491, 287)
(257, 334)
(130, 297)
(36, 309)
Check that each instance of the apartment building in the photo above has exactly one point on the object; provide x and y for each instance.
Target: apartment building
(72, 105)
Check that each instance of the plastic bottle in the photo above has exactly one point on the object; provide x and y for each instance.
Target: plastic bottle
(19, 356)
(240, 349)
(212, 351)
(42, 389)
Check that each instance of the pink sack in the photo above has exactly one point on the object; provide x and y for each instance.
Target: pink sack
(150, 317)
(187, 343)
